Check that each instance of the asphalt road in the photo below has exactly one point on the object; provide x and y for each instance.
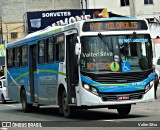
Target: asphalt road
(141, 115)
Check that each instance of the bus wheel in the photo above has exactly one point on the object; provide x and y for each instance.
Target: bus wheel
(124, 110)
(3, 99)
(66, 109)
(25, 106)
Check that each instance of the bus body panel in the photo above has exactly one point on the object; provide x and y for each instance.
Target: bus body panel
(47, 78)
(16, 79)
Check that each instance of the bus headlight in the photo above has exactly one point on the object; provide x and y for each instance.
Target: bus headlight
(86, 86)
(149, 86)
(94, 90)
(90, 88)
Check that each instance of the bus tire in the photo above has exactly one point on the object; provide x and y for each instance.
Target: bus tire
(124, 110)
(60, 110)
(3, 99)
(25, 106)
(66, 109)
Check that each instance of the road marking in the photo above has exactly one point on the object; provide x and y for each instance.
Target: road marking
(11, 105)
(110, 120)
(4, 128)
(107, 120)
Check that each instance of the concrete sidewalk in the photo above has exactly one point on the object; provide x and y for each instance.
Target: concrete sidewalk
(151, 105)
(158, 92)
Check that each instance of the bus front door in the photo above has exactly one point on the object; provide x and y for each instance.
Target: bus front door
(33, 73)
(71, 67)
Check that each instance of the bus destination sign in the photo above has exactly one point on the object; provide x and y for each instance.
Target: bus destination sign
(114, 25)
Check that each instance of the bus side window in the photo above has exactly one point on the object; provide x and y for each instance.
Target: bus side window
(61, 52)
(24, 55)
(50, 49)
(158, 62)
(17, 57)
(0, 84)
(57, 52)
(41, 52)
(60, 48)
(10, 58)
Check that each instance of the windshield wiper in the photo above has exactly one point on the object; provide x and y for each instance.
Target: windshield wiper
(105, 42)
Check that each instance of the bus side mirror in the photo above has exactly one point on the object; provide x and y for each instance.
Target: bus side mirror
(78, 48)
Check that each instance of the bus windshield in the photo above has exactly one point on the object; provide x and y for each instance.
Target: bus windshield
(113, 51)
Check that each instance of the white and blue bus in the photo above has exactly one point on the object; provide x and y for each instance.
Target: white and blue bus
(96, 63)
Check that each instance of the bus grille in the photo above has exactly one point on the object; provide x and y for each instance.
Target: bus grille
(118, 77)
(113, 97)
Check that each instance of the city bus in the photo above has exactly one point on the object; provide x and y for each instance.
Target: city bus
(94, 63)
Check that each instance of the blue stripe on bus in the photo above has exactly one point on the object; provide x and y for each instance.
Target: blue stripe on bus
(26, 74)
(123, 87)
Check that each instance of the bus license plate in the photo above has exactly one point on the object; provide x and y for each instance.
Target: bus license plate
(126, 97)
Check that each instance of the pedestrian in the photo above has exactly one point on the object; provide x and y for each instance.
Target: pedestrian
(156, 80)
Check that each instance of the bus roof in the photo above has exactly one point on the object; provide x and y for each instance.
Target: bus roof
(55, 29)
(35, 35)
(113, 18)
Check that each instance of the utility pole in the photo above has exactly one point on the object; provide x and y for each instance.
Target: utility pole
(132, 8)
(83, 10)
(86, 3)
(1, 32)
(6, 33)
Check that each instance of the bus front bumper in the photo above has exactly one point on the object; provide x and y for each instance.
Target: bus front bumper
(89, 99)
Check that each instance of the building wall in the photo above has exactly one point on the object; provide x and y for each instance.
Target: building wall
(111, 5)
(147, 11)
(13, 12)
(13, 28)
(141, 10)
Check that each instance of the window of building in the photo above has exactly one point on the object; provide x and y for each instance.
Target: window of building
(148, 1)
(14, 35)
(41, 52)
(24, 55)
(124, 2)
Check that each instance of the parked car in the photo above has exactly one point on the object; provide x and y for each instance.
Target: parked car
(3, 94)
